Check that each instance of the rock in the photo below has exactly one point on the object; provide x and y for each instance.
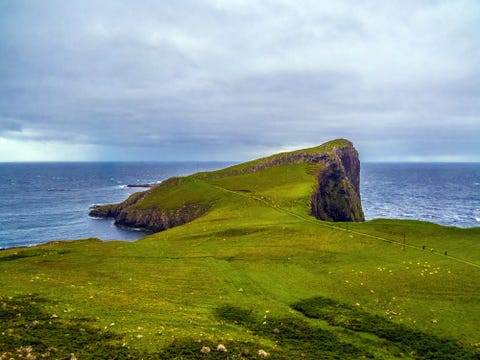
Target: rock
(205, 350)
(221, 348)
(337, 194)
(140, 185)
(155, 218)
(262, 353)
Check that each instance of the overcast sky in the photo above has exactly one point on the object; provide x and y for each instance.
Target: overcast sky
(235, 80)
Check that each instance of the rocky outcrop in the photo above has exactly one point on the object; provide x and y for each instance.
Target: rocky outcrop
(140, 185)
(149, 219)
(131, 213)
(336, 196)
(113, 210)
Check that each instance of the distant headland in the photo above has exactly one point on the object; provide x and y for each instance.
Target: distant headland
(334, 168)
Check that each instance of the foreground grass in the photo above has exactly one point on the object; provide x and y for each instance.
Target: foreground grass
(255, 273)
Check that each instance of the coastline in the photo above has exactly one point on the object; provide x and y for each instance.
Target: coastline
(387, 191)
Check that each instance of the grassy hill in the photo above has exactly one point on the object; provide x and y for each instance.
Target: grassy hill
(255, 272)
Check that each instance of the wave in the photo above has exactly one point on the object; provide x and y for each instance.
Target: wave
(91, 206)
(96, 218)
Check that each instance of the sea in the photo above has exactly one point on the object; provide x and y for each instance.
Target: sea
(41, 202)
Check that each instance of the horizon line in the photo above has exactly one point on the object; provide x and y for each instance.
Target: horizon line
(228, 161)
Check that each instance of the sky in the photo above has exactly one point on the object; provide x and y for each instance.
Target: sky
(235, 80)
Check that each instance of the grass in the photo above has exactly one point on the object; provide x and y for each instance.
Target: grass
(408, 340)
(177, 191)
(254, 273)
(325, 148)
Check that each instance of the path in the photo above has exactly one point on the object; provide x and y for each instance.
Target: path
(328, 225)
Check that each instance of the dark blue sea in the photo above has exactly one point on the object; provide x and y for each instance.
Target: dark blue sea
(40, 202)
(443, 193)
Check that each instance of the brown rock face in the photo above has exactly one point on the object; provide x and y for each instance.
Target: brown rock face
(337, 194)
(149, 219)
(155, 218)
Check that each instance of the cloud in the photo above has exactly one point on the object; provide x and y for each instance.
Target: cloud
(9, 126)
(234, 79)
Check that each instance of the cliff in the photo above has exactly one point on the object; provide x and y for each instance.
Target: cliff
(333, 174)
(174, 202)
(337, 193)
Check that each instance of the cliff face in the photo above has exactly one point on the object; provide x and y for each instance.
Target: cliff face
(156, 215)
(336, 196)
(148, 219)
(176, 201)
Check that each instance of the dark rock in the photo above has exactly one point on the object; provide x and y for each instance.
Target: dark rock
(140, 185)
(154, 218)
(337, 194)
(157, 219)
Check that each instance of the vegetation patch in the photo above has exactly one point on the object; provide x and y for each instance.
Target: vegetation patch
(36, 252)
(191, 349)
(175, 192)
(292, 337)
(29, 331)
(243, 231)
(414, 342)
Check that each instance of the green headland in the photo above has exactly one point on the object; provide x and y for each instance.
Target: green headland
(270, 258)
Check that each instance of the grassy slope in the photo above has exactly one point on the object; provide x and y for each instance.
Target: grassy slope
(235, 276)
(327, 147)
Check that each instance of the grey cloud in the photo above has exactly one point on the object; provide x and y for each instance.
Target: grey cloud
(9, 125)
(219, 77)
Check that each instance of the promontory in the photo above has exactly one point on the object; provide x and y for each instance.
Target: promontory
(333, 193)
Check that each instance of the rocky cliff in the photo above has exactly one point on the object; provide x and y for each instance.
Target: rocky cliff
(153, 209)
(335, 194)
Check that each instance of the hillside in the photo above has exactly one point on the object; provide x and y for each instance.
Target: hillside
(323, 181)
(255, 272)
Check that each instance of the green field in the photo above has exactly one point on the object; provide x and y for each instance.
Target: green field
(256, 272)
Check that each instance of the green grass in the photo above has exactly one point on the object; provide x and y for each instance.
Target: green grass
(174, 192)
(408, 340)
(326, 148)
(255, 272)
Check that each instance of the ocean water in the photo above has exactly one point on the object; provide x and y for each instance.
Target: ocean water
(443, 193)
(40, 202)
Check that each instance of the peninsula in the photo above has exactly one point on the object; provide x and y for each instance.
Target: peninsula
(334, 169)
